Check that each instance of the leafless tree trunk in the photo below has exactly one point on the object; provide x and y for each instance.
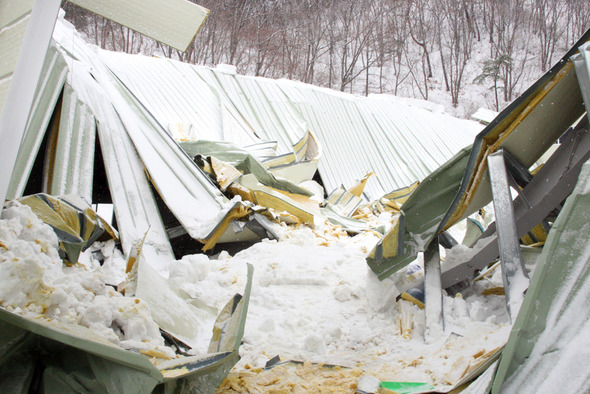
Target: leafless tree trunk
(367, 45)
(547, 15)
(455, 44)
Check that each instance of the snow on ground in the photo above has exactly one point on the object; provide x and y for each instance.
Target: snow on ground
(323, 304)
(313, 299)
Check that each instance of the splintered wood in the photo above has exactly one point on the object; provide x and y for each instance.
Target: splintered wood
(293, 378)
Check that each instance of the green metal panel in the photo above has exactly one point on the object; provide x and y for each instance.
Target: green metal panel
(83, 361)
(11, 11)
(554, 312)
(11, 39)
(78, 337)
(4, 85)
(554, 315)
(526, 129)
(173, 22)
(422, 213)
(242, 160)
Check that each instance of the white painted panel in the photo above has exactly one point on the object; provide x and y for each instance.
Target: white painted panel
(173, 22)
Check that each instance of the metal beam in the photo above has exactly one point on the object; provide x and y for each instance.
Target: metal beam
(546, 191)
(514, 275)
(433, 293)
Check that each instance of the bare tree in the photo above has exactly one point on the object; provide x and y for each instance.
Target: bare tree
(369, 45)
(454, 42)
(356, 31)
(421, 26)
(397, 44)
(508, 24)
(577, 19)
(547, 21)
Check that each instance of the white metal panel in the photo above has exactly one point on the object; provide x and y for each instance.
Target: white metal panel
(134, 205)
(398, 142)
(73, 168)
(173, 94)
(52, 81)
(14, 115)
(197, 204)
(173, 22)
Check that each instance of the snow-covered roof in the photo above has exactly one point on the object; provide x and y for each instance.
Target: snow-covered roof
(398, 142)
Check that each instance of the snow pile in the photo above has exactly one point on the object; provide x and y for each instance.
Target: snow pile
(313, 299)
(34, 283)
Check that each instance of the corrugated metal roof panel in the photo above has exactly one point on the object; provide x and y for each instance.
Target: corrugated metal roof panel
(172, 94)
(197, 204)
(134, 204)
(398, 142)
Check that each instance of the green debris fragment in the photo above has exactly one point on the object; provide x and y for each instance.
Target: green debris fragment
(407, 387)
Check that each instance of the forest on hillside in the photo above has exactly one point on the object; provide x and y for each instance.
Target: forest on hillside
(448, 51)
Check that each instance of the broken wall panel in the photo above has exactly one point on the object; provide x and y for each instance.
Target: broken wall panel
(134, 205)
(24, 78)
(539, 124)
(553, 319)
(51, 85)
(72, 155)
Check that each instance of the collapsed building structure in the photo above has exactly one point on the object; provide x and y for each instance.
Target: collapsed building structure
(191, 156)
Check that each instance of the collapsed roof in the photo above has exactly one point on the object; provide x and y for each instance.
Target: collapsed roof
(141, 108)
(95, 93)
